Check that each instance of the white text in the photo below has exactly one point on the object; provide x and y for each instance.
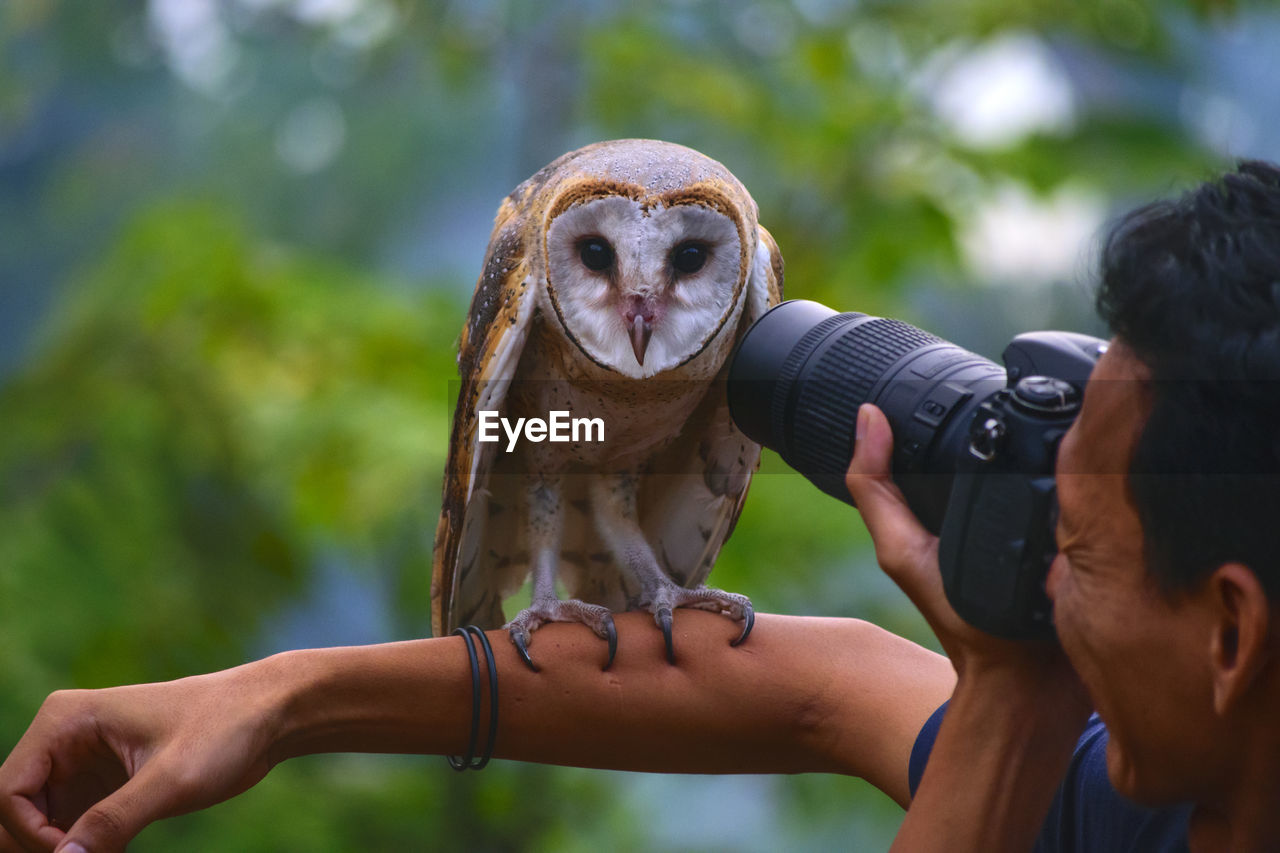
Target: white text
(557, 427)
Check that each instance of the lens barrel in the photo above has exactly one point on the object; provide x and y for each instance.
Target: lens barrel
(800, 373)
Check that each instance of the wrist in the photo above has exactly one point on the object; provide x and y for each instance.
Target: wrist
(408, 697)
(1031, 724)
(290, 686)
(1004, 744)
(1037, 684)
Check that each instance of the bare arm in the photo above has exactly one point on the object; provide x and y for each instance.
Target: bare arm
(803, 694)
(833, 695)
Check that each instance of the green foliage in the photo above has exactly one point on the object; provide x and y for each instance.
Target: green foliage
(202, 415)
(361, 802)
(861, 184)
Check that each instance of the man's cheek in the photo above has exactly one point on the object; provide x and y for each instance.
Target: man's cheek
(1072, 634)
(1055, 577)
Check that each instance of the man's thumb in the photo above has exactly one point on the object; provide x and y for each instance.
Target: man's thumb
(113, 822)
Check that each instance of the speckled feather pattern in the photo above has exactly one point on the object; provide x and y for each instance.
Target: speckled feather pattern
(671, 429)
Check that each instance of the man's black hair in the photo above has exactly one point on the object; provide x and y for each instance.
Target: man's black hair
(1193, 287)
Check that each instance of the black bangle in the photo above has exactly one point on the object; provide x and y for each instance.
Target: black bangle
(470, 762)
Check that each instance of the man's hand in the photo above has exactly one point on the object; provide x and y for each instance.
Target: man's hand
(96, 766)
(1017, 709)
(909, 555)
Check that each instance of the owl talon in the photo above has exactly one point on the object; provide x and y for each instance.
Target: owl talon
(519, 642)
(664, 621)
(612, 637)
(544, 610)
(749, 617)
(667, 597)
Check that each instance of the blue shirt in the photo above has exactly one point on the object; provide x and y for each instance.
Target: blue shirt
(1087, 814)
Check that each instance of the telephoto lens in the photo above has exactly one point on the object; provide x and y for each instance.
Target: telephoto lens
(974, 443)
(800, 373)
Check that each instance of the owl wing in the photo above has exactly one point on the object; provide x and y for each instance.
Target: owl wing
(692, 502)
(489, 351)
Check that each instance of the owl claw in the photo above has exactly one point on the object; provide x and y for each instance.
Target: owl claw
(612, 637)
(523, 649)
(749, 617)
(664, 622)
(542, 611)
(667, 597)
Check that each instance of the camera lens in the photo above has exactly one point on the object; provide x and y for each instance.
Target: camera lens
(800, 373)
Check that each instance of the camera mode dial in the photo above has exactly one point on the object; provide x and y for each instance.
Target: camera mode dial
(1046, 394)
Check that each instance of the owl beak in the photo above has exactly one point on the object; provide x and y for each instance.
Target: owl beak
(641, 330)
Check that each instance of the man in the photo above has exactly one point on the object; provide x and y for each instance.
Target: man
(1165, 586)
(1163, 599)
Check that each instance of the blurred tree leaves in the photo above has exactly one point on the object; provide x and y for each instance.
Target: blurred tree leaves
(377, 803)
(822, 109)
(201, 416)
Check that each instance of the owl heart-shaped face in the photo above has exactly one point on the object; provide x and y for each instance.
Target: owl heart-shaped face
(643, 288)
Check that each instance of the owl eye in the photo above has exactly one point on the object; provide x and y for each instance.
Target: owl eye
(596, 254)
(689, 257)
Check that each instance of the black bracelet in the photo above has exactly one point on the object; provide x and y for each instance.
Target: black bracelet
(470, 762)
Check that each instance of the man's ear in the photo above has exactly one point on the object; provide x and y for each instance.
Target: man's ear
(1240, 644)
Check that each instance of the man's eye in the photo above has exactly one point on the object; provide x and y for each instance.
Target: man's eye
(689, 257)
(596, 254)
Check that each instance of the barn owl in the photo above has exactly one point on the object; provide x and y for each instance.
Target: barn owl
(616, 282)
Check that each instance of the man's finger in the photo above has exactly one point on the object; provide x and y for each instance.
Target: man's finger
(904, 547)
(113, 822)
(870, 482)
(24, 775)
(9, 844)
(28, 825)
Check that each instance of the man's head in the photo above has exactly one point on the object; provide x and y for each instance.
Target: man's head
(1193, 287)
(1169, 485)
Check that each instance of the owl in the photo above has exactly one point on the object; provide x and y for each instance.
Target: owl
(616, 282)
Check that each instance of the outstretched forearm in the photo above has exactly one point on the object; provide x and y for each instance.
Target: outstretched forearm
(803, 694)
(839, 695)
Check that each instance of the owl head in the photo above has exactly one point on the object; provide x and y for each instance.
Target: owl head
(646, 248)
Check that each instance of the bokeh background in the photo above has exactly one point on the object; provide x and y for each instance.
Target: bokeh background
(237, 242)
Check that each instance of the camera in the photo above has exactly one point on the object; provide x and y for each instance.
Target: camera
(974, 443)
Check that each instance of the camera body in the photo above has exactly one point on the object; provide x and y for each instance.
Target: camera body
(997, 537)
(974, 444)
